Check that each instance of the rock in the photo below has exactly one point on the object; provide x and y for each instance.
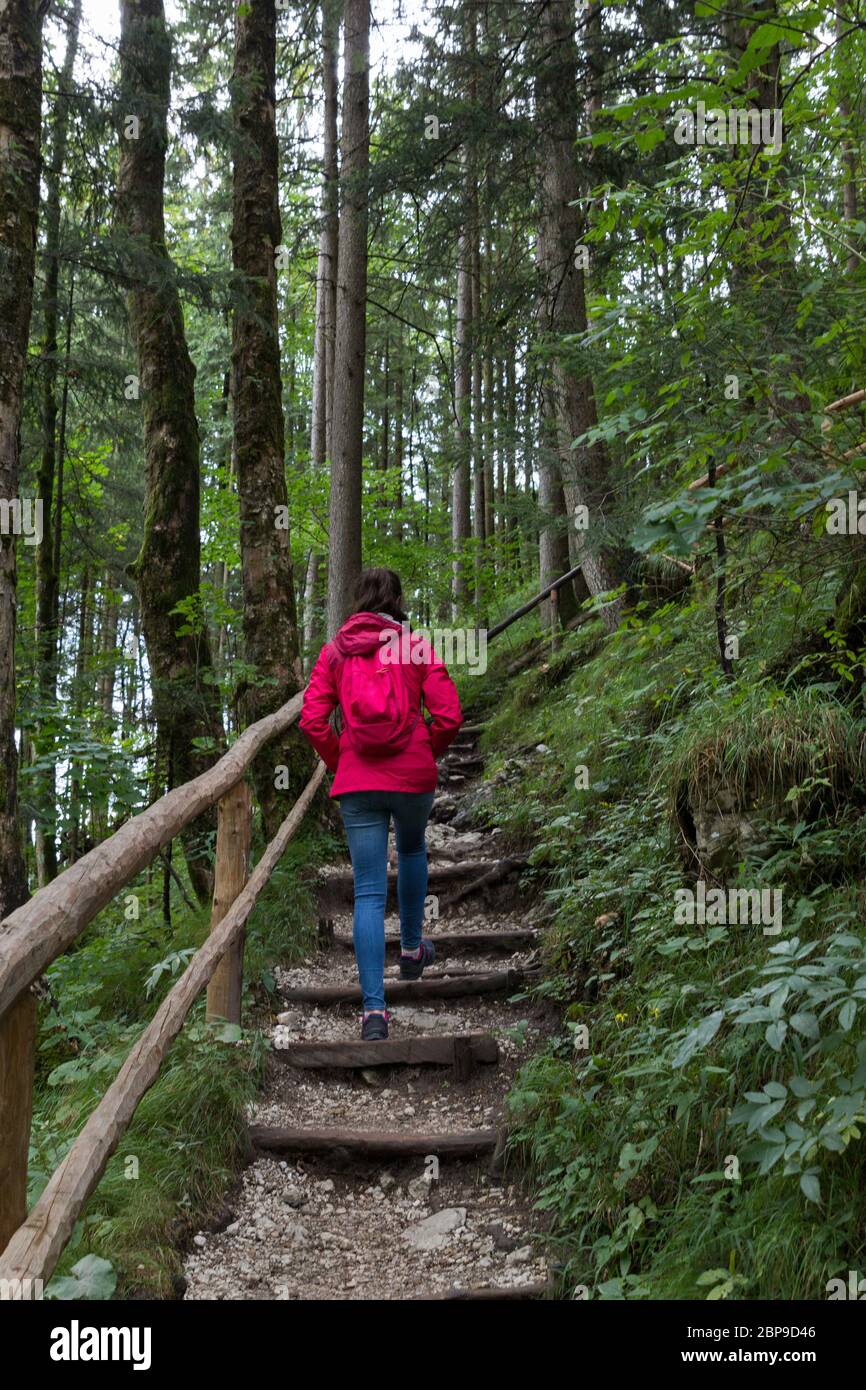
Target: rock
(289, 1019)
(519, 1257)
(326, 1186)
(294, 1197)
(433, 1232)
(541, 748)
(233, 1228)
(500, 1237)
(372, 1077)
(387, 1181)
(426, 1019)
(200, 1241)
(295, 1235)
(331, 1238)
(220, 1222)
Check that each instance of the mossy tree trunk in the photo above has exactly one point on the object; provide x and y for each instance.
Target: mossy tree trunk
(20, 125)
(270, 618)
(47, 578)
(168, 566)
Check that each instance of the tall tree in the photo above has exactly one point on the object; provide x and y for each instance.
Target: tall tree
(344, 517)
(168, 565)
(20, 125)
(47, 576)
(326, 289)
(270, 618)
(586, 468)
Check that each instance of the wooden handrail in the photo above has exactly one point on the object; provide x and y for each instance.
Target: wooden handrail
(533, 603)
(33, 936)
(38, 1243)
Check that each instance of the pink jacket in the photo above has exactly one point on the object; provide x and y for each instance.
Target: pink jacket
(413, 769)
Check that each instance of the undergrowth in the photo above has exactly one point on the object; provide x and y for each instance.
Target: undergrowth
(695, 1127)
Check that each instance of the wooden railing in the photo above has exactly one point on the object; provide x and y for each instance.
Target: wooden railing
(35, 934)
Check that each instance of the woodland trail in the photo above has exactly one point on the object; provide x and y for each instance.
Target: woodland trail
(385, 1180)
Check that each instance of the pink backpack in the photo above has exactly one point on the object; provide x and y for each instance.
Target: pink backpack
(374, 701)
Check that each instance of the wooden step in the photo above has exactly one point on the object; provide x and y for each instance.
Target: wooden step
(372, 1143)
(511, 1293)
(460, 1050)
(443, 987)
(511, 940)
(452, 882)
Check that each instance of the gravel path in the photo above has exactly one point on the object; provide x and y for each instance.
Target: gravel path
(337, 1227)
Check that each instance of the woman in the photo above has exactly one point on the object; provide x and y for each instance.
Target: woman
(379, 672)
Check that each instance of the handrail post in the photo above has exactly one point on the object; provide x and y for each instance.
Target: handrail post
(231, 870)
(17, 1063)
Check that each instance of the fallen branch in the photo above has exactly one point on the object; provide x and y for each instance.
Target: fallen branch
(844, 401)
(705, 480)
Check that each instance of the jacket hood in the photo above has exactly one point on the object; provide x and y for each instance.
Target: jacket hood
(361, 633)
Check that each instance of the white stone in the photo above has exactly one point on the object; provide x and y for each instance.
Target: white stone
(433, 1232)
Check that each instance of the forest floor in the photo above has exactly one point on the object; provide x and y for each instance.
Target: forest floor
(341, 1226)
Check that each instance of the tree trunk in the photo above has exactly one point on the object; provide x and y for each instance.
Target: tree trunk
(849, 152)
(326, 272)
(20, 128)
(168, 566)
(461, 523)
(585, 469)
(47, 577)
(344, 544)
(326, 300)
(397, 527)
(553, 557)
(270, 617)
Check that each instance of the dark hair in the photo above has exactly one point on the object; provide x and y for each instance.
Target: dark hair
(379, 591)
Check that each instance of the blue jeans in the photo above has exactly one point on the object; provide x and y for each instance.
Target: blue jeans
(366, 817)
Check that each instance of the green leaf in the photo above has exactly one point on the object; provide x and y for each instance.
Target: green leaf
(810, 1187)
(698, 1038)
(91, 1277)
(776, 1034)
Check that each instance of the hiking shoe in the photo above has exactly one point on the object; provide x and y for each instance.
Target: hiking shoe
(374, 1027)
(411, 969)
